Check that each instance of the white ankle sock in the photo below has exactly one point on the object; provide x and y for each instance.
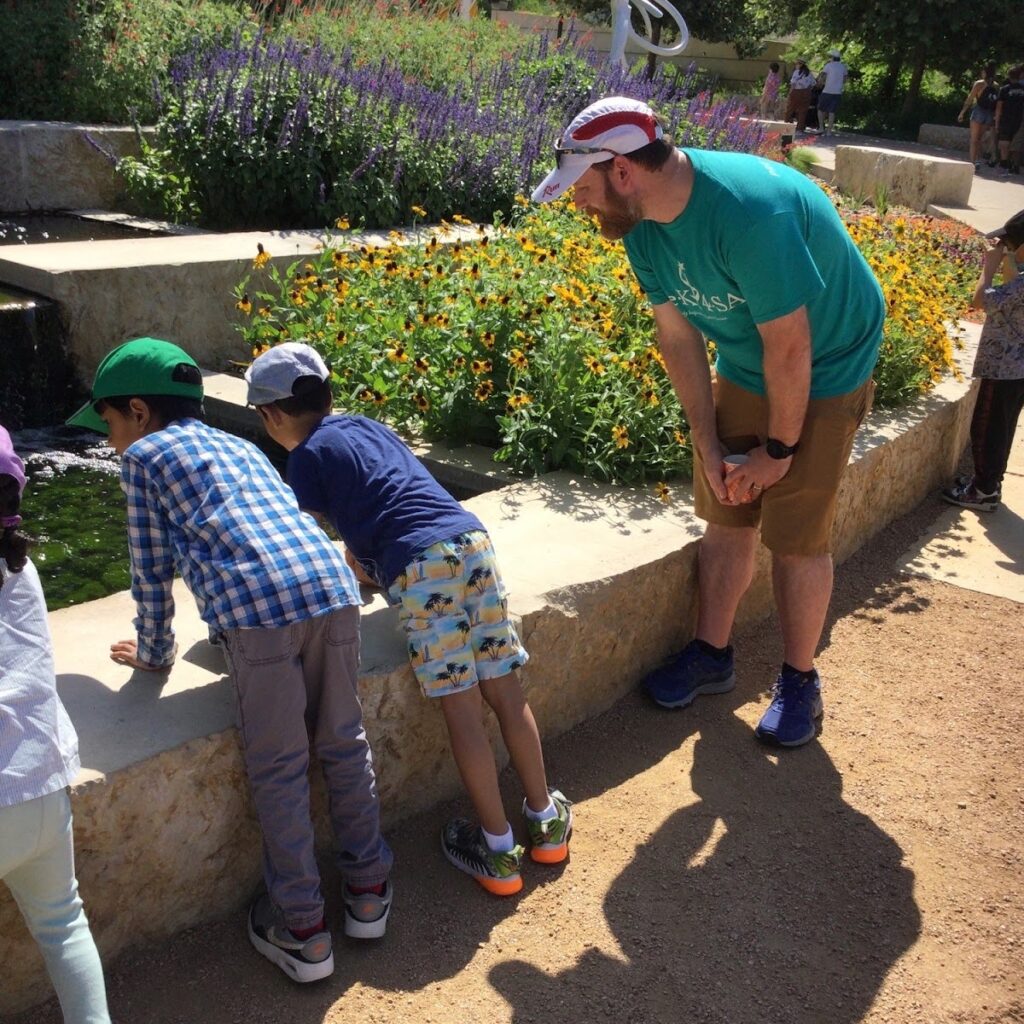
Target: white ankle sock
(499, 844)
(549, 812)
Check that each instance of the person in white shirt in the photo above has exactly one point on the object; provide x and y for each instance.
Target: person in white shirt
(38, 760)
(832, 79)
(801, 85)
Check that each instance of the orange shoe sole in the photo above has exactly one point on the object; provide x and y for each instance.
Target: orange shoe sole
(501, 886)
(549, 855)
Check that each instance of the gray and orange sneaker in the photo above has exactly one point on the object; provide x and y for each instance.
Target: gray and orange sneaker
(303, 960)
(464, 845)
(366, 912)
(549, 837)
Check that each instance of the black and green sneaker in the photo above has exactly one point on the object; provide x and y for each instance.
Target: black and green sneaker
(464, 845)
(549, 838)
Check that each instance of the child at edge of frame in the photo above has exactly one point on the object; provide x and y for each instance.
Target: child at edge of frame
(999, 364)
(38, 761)
(434, 559)
(281, 600)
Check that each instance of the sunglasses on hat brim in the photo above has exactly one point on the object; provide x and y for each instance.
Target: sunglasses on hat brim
(563, 150)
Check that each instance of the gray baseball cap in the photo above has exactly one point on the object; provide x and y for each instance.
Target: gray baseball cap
(272, 375)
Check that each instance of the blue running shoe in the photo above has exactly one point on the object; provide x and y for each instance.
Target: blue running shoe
(688, 673)
(790, 720)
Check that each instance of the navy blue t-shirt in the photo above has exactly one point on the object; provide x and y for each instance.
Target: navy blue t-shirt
(360, 476)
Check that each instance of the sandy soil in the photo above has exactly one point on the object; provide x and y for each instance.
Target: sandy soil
(873, 876)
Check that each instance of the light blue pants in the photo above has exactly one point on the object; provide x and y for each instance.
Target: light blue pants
(37, 862)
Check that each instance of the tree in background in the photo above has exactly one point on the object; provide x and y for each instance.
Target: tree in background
(951, 36)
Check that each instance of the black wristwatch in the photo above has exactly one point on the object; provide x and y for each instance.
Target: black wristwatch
(777, 450)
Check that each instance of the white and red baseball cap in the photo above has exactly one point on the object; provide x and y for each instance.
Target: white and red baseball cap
(611, 126)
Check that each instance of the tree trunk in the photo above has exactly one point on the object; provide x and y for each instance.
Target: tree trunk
(891, 80)
(916, 74)
(652, 58)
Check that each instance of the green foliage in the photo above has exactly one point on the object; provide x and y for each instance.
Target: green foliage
(537, 340)
(98, 60)
(154, 187)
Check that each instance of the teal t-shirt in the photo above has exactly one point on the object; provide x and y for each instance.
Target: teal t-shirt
(756, 241)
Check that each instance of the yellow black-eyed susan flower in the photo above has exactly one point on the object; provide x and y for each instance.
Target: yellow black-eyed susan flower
(342, 224)
(679, 436)
(262, 256)
(594, 365)
(517, 402)
(487, 339)
(662, 492)
(421, 364)
(421, 400)
(620, 435)
(397, 354)
(650, 396)
(484, 390)
(244, 304)
(418, 211)
(517, 358)
(459, 362)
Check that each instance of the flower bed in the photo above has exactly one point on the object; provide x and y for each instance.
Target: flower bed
(266, 134)
(535, 338)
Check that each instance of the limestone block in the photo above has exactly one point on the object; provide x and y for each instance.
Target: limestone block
(946, 136)
(908, 178)
(52, 166)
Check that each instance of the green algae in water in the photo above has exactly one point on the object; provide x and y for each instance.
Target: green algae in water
(77, 518)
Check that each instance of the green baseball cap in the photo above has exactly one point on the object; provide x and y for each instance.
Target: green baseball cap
(145, 366)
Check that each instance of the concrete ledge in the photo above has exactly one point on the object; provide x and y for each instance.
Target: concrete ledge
(603, 581)
(946, 136)
(910, 179)
(179, 288)
(49, 165)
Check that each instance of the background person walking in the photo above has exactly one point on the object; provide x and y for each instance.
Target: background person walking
(981, 101)
(801, 85)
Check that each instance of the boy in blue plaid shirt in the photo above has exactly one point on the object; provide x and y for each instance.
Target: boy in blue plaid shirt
(285, 606)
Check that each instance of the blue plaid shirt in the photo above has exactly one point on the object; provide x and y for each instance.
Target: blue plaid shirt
(213, 507)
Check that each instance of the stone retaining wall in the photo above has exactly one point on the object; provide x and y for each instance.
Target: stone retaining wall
(910, 179)
(603, 581)
(51, 166)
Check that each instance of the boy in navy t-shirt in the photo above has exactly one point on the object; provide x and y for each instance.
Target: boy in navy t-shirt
(434, 559)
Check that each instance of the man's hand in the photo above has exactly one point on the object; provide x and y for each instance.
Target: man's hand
(747, 482)
(126, 652)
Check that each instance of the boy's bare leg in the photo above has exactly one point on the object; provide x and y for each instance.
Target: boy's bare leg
(519, 731)
(463, 714)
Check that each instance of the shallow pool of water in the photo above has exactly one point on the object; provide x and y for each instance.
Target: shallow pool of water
(34, 228)
(74, 509)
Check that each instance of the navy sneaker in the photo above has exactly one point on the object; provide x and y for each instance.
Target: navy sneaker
(791, 718)
(688, 673)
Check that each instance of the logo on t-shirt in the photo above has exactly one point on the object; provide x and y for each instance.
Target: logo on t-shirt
(689, 296)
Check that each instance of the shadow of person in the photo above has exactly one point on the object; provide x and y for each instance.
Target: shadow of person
(769, 898)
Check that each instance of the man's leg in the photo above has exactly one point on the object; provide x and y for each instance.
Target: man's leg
(803, 588)
(726, 567)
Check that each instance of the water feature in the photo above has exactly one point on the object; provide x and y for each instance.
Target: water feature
(74, 509)
(37, 378)
(37, 228)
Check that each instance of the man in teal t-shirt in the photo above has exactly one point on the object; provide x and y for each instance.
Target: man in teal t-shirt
(749, 254)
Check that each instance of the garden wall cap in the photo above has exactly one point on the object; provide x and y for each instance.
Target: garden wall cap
(615, 124)
(1012, 232)
(272, 375)
(143, 366)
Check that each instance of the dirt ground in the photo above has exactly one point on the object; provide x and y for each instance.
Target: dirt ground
(873, 876)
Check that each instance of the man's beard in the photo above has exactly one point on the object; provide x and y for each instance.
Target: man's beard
(620, 215)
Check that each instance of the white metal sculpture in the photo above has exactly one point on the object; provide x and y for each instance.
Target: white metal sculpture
(623, 31)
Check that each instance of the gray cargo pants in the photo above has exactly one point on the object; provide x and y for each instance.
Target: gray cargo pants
(295, 685)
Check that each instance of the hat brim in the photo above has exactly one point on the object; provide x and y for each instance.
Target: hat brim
(88, 418)
(561, 179)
